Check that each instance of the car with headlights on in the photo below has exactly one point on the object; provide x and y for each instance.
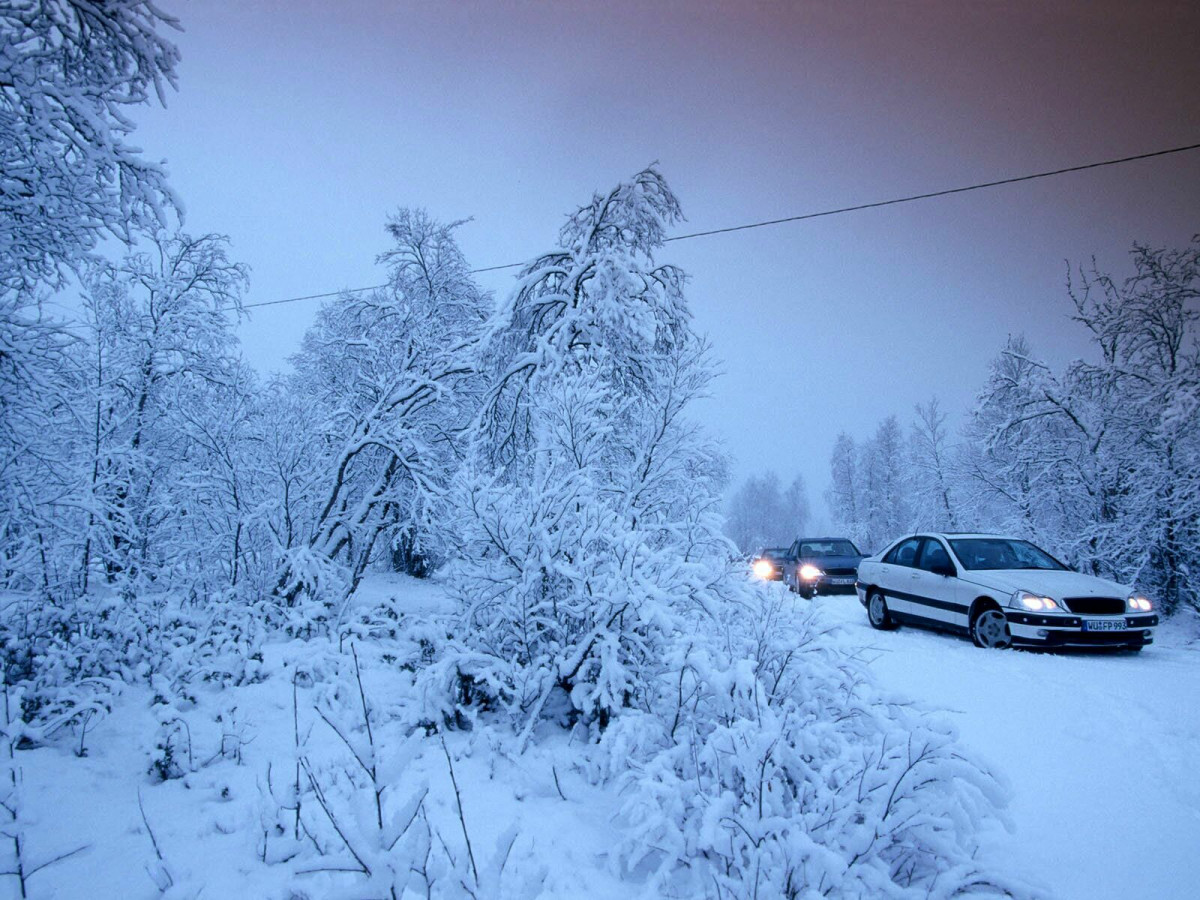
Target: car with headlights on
(827, 565)
(1001, 591)
(770, 564)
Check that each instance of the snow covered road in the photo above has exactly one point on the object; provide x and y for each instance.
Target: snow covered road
(1101, 750)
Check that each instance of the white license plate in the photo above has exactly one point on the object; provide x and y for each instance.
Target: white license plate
(841, 581)
(1103, 624)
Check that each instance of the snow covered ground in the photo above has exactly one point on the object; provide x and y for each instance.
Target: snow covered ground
(1099, 752)
(1100, 749)
(209, 825)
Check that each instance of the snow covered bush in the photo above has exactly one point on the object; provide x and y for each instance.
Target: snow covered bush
(774, 766)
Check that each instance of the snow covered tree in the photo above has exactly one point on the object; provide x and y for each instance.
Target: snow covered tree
(795, 501)
(885, 492)
(71, 72)
(1148, 382)
(844, 496)
(932, 476)
(1101, 460)
(760, 514)
(218, 482)
(598, 302)
(72, 69)
(39, 379)
(588, 521)
(386, 383)
(870, 497)
(1050, 459)
(161, 323)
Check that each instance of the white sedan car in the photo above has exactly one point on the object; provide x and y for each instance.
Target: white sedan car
(1001, 591)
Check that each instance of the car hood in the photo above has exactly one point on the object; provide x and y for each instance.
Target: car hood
(833, 562)
(1047, 582)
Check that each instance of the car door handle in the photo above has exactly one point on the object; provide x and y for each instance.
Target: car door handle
(915, 575)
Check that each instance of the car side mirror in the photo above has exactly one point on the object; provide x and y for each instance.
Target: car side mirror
(944, 569)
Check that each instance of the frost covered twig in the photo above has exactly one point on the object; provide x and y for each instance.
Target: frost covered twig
(462, 819)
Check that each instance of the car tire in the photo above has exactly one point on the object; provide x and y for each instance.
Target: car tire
(878, 614)
(989, 629)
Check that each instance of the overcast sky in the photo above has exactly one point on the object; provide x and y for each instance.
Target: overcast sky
(300, 125)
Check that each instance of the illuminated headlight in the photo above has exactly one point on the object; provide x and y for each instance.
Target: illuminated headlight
(763, 568)
(1034, 602)
(1138, 603)
(808, 572)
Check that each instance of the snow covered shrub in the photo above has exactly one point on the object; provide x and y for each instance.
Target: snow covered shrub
(314, 583)
(777, 768)
(172, 750)
(567, 600)
(68, 660)
(356, 820)
(227, 650)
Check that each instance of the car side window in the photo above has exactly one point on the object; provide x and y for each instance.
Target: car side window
(933, 554)
(904, 553)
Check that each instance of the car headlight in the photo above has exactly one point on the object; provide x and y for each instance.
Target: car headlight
(808, 572)
(1138, 603)
(763, 568)
(1034, 602)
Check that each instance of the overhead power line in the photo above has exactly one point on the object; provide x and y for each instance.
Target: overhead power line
(931, 194)
(803, 216)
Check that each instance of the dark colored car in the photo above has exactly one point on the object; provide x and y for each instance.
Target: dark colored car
(827, 565)
(771, 564)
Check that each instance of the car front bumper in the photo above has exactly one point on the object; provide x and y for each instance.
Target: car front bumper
(825, 585)
(1032, 630)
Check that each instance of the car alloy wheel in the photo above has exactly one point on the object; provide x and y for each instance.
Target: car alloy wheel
(877, 612)
(990, 629)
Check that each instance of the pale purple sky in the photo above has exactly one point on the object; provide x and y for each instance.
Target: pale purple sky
(300, 125)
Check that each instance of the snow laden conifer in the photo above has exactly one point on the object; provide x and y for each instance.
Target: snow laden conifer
(871, 495)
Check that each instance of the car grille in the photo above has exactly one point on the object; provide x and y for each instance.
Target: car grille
(1095, 606)
(841, 573)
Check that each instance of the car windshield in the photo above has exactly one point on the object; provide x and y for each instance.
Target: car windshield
(772, 552)
(1002, 553)
(828, 548)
